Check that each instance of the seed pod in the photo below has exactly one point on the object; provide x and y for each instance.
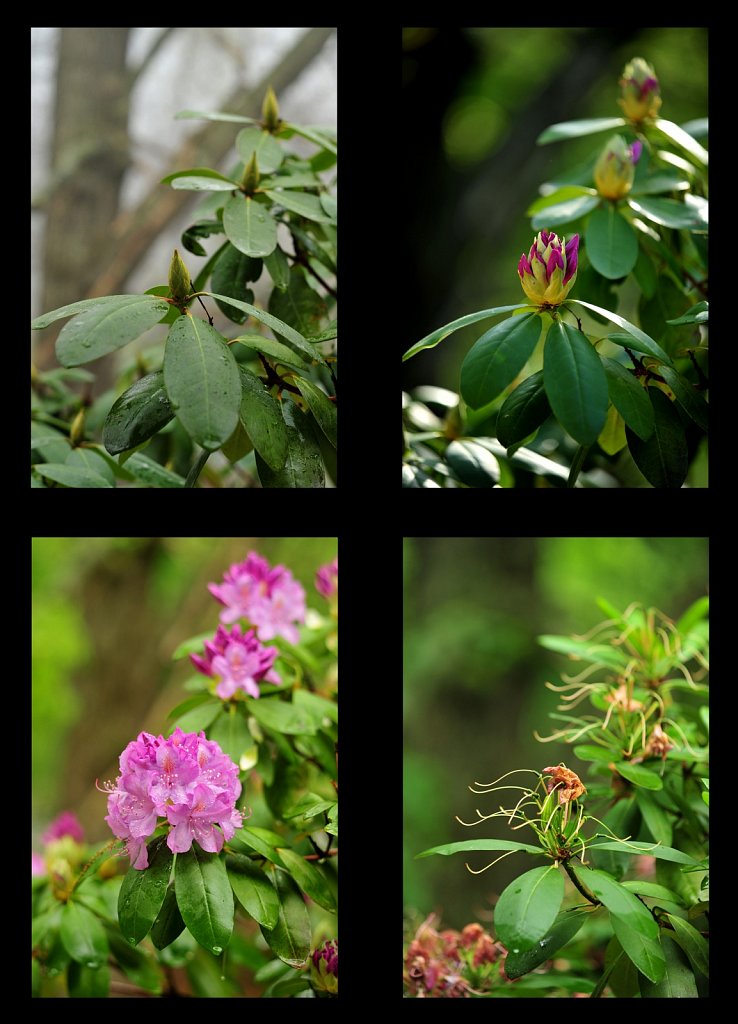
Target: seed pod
(270, 111)
(251, 176)
(179, 278)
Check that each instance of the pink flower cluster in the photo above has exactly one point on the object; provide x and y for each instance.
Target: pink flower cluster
(239, 660)
(185, 779)
(65, 824)
(270, 599)
(326, 579)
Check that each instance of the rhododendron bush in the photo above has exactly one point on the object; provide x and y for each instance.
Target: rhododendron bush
(189, 885)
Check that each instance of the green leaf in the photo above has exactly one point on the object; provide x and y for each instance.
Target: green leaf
(618, 901)
(643, 950)
(313, 135)
(201, 229)
(83, 935)
(269, 153)
(497, 357)
(278, 268)
(92, 460)
(645, 274)
(575, 382)
(196, 718)
(200, 178)
(472, 464)
(230, 275)
(565, 927)
(136, 964)
(664, 181)
(528, 907)
(253, 889)
(77, 307)
(204, 897)
(695, 315)
(71, 476)
(663, 458)
(87, 982)
(142, 892)
(291, 336)
(676, 134)
(433, 339)
(97, 331)
(611, 438)
(589, 752)
(309, 878)
(261, 415)
(639, 775)
(249, 226)
(151, 473)
(612, 245)
(200, 116)
(282, 716)
(523, 411)
(655, 817)
(694, 615)
(689, 399)
(231, 733)
(678, 981)
(660, 852)
(585, 650)
(565, 212)
(286, 180)
(273, 349)
(322, 408)
(692, 942)
(202, 381)
(138, 414)
(629, 398)
(168, 924)
(291, 936)
(558, 196)
(262, 840)
(652, 889)
(471, 845)
(299, 306)
(301, 203)
(58, 450)
(575, 129)
(667, 212)
(304, 464)
(646, 344)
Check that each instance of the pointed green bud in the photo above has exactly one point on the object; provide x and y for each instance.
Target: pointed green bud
(179, 278)
(77, 430)
(251, 176)
(270, 111)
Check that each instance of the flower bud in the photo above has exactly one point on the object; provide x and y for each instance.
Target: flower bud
(640, 90)
(324, 967)
(179, 278)
(251, 176)
(270, 111)
(77, 430)
(549, 270)
(614, 171)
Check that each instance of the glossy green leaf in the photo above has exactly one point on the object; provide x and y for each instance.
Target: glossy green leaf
(71, 476)
(697, 314)
(249, 226)
(77, 307)
(309, 878)
(322, 408)
(287, 180)
(663, 458)
(692, 942)
(575, 129)
(269, 153)
(646, 344)
(312, 135)
(559, 195)
(618, 900)
(690, 400)
(262, 840)
(523, 411)
(202, 381)
(200, 178)
(435, 337)
(253, 889)
(142, 893)
(528, 907)
(57, 450)
(589, 752)
(678, 981)
(575, 382)
(656, 818)
(291, 936)
(151, 473)
(676, 134)
(83, 935)
(639, 775)
(565, 212)
(304, 463)
(652, 889)
(299, 305)
(642, 949)
(138, 414)
(629, 398)
(666, 212)
(92, 460)
(497, 357)
(196, 718)
(282, 716)
(85, 982)
(278, 268)
(660, 852)
(96, 331)
(472, 845)
(585, 650)
(612, 245)
(137, 964)
(201, 229)
(204, 897)
(294, 339)
(232, 271)
(472, 464)
(261, 415)
(564, 929)
(275, 350)
(302, 203)
(168, 924)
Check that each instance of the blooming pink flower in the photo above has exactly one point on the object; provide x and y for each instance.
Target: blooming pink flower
(37, 864)
(270, 599)
(185, 780)
(239, 660)
(65, 824)
(326, 579)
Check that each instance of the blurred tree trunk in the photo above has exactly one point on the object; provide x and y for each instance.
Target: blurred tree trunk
(90, 156)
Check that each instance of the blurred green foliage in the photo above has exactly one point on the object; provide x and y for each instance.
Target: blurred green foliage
(474, 675)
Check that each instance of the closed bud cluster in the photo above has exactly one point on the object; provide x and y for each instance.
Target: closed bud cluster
(640, 95)
(250, 180)
(615, 169)
(270, 111)
(179, 278)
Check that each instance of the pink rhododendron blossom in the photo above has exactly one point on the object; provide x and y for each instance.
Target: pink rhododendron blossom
(326, 579)
(65, 824)
(239, 660)
(270, 599)
(186, 780)
(37, 864)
